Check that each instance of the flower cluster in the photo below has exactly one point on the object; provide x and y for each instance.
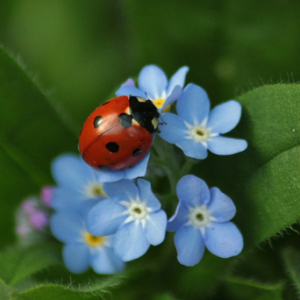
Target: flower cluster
(106, 218)
(32, 218)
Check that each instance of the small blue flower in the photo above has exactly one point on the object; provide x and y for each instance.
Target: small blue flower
(195, 129)
(202, 220)
(80, 186)
(154, 85)
(133, 214)
(82, 249)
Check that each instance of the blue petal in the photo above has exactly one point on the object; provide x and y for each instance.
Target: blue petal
(190, 245)
(224, 239)
(193, 191)
(127, 90)
(105, 261)
(130, 241)
(220, 206)
(69, 200)
(105, 218)
(106, 174)
(122, 190)
(65, 199)
(226, 146)
(193, 104)
(76, 257)
(153, 81)
(172, 129)
(180, 218)
(68, 227)
(172, 97)
(147, 195)
(129, 82)
(224, 117)
(71, 172)
(139, 169)
(155, 229)
(191, 148)
(177, 79)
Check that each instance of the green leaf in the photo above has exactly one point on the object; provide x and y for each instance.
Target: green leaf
(94, 290)
(4, 291)
(291, 259)
(32, 133)
(264, 180)
(239, 288)
(18, 263)
(271, 191)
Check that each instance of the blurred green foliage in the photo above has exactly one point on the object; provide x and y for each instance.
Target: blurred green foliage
(80, 51)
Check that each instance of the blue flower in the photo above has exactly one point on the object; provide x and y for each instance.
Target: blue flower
(82, 249)
(80, 186)
(133, 214)
(202, 220)
(196, 129)
(154, 85)
(139, 169)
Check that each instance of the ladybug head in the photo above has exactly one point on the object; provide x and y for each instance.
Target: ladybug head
(145, 113)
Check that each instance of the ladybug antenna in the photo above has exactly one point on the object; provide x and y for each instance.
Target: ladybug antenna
(147, 98)
(162, 121)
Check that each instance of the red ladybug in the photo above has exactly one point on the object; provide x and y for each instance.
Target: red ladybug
(118, 133)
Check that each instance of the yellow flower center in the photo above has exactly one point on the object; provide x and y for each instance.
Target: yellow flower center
(92, 240)
(159, 104)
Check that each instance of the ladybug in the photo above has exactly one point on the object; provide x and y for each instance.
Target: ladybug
(118, 133)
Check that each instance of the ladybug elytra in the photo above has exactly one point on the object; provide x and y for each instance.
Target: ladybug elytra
(118, 133)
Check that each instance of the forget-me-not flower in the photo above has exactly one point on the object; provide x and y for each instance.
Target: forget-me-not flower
(195, 129)
(202, 220)
(80, 186)
(82, 249)
(133, 214)
(154, 85)
(77, 186)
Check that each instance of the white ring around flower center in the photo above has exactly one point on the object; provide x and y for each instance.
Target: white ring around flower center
(138, 210)
(199, 132)
(199, 216)
(94, 190)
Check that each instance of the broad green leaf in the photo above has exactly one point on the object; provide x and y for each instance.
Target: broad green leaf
(5, 293)
(32, 133)
(18, 263)
(263, 181)
(94, 290)
(239, 288)
(291, 259)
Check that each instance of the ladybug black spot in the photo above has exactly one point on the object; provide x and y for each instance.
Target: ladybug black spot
(112, 147)
(125, 120)
(97, 121)
(137, 152)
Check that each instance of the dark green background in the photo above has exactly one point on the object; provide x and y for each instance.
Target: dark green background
(82, 50)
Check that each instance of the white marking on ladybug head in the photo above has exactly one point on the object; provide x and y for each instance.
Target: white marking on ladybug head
(128, 111)
(140, 99)
(155, 123)
(134, 122)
